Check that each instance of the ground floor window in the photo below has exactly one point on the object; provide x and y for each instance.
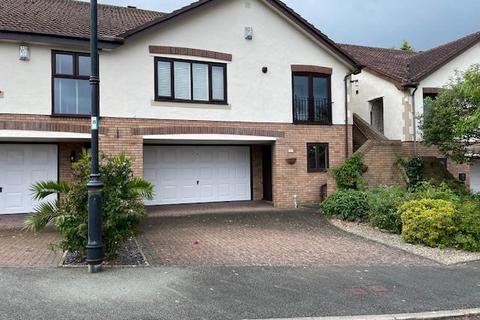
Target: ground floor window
(317, 157)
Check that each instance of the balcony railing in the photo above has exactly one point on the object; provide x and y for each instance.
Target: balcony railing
(312, 110)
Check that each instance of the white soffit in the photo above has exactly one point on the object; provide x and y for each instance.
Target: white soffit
(207, 138)
(29, 135)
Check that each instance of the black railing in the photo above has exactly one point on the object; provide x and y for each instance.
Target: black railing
(313, 110)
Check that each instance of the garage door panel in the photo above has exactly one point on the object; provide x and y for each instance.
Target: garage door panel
(200, 173)
(15, 157)
(188, 192)
(13, 200)
(168, 192)
(14, 178)
(39, 175)
(40, 157)
(149, 157)
(24, 165)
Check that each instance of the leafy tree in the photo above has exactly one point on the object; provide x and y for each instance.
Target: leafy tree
(453, 119)
(406, 46)
(122, 205)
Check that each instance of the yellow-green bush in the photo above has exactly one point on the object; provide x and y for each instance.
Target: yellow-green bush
(468, 217)
(428, 221)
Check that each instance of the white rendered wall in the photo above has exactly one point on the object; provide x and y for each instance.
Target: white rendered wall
(127, 73)
(371, 87)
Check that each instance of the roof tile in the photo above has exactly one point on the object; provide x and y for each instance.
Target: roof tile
(69, 18)
(406, 68)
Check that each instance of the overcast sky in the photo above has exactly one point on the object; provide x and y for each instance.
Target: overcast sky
(385, 23)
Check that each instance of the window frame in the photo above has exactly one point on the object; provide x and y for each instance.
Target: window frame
(317, 157)
(311, 106)
(172, 98)
(76, 76)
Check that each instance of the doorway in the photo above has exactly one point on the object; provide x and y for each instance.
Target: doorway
(267, 173)
(376, 115)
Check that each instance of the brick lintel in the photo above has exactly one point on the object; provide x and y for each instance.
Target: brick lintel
(190, 52)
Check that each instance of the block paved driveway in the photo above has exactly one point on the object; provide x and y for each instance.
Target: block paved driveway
(260, 238)
(253, 236)
(19, 248)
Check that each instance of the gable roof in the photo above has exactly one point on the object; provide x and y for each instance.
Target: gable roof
(279, 5)
(408, 68)
(71, 19)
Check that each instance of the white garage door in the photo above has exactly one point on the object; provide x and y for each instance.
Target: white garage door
(475, 176)
(198, 174)
(21, 165)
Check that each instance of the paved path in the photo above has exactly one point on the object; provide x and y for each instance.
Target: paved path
(261, 238)
(23, 248)
(234, 292)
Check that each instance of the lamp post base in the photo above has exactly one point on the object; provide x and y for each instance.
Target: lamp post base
(94, 268)
(95, 253)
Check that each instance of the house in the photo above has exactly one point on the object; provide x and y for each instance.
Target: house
(390, 91)
(217, 101)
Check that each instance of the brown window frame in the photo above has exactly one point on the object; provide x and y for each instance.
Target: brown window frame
(76, 76)
(210, 65)
(317, 157)
(311, 106)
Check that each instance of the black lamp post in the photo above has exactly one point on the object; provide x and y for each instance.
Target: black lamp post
(95, 245)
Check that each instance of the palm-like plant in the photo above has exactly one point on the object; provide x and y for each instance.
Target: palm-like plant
(122, 207)
(47, 211)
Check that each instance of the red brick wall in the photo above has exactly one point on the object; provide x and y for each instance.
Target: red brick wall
(381, 158)
(425, 151)
(257, 172)
(64, 152)
(124, 135)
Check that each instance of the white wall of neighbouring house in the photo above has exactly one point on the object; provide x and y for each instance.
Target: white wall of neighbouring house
(475, 176)
(127, 73)
(371, 87)
(442, 76)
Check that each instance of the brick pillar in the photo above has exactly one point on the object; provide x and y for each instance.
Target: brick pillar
(257, 172)
(120, 140)
(65, 150)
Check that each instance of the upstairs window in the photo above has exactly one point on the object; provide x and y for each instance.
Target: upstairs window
(312, 98)
(317, 157)
(190, 81)
(70, 82)
(429, 95)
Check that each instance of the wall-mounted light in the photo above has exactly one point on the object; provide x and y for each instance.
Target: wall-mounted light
(24, 52)
(1, 94)
(356, 84)
(248, 33)
(73, 156)
(265, 69)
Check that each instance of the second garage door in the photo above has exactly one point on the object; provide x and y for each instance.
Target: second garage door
(198, 174)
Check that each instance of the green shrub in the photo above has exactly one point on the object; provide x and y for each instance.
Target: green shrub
(122, 204)
(414, 169)
(350, 174)
(468, 235)
(383, 211)
(428, 221)
(346, 204)
(427, 190)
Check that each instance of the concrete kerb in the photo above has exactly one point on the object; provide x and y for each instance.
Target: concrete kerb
(432, 315)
